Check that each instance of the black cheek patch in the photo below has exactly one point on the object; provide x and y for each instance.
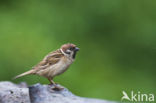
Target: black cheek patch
(74, 55)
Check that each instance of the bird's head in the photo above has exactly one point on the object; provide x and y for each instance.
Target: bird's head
(69, 50)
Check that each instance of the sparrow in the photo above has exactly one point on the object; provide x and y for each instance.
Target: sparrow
(55, 63)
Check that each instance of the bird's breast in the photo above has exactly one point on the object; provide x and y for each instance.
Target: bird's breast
(60, 67)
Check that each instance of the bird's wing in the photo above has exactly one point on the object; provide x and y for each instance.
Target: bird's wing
(51, 59)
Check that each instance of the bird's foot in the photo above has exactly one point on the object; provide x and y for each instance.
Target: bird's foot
(56, 87)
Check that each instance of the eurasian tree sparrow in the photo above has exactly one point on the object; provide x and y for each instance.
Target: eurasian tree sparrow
(54, 63)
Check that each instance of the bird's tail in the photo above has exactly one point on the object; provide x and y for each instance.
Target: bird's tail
(25, 73)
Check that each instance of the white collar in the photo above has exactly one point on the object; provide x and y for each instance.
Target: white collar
(62, 52)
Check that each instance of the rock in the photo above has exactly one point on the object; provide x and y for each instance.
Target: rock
(45, 94)
(12, 93)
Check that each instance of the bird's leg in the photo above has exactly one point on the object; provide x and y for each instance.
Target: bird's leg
(55, 86)
(51, 81)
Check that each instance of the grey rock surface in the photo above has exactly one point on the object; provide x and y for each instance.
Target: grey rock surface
(12, 93)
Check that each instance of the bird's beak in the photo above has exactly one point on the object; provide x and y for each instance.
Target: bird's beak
(77, 49)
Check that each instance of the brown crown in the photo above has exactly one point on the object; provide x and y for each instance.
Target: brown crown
(67, 46)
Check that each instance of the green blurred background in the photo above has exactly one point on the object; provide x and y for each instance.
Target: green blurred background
(117, 41)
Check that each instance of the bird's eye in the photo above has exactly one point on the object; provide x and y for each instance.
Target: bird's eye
(72, 48)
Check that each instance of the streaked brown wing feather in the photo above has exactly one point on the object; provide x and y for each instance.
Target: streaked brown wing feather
(49, 60)
(54, 58)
